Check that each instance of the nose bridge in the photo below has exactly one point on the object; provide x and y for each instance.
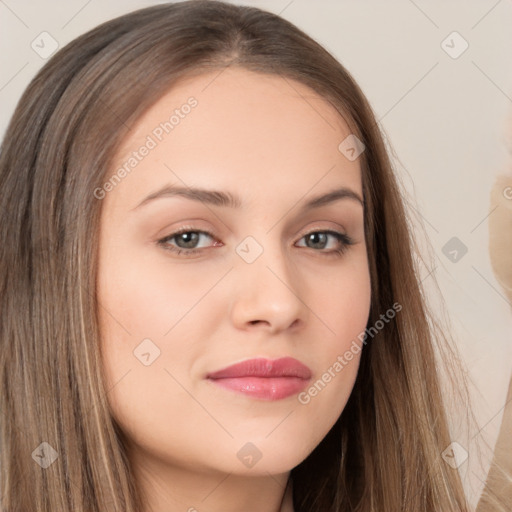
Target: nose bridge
(266, 257)
(268, 288)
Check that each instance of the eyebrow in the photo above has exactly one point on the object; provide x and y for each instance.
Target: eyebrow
(226, 199)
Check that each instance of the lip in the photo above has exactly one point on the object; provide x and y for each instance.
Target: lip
(263, 378)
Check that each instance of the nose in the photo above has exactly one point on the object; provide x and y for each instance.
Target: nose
(268, 294)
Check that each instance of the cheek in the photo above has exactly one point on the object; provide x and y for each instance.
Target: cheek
(149, 313)
(343, 307)
(139, 304)
(341, 301)
(147, 297)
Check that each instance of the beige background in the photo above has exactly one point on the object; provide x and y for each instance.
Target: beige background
(445, 117)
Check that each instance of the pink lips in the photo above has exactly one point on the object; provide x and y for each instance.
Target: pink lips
(264, 378)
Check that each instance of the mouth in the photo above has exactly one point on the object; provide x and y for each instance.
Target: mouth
(264, 379)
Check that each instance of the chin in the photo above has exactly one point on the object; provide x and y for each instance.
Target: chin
(262, 456)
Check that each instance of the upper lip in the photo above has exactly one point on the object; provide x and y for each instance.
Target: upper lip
(261, 367)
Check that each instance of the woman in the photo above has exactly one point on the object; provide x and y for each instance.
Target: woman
(287, 362)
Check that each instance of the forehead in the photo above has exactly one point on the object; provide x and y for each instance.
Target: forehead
(238, 126)
(238, 91)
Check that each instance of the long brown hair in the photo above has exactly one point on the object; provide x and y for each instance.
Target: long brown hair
(384, 452)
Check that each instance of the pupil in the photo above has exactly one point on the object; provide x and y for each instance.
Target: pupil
(189, 239)
(314, 238)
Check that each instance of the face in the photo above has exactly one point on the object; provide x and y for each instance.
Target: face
(215, 249)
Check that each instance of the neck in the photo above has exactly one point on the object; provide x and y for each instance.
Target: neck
(168, 488)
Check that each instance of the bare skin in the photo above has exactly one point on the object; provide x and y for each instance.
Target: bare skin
(499, 478)
(275, 147)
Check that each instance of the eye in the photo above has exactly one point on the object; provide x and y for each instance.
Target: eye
(320, 239)
(186, 240)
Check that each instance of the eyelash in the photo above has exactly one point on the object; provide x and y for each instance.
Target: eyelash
(345, 242)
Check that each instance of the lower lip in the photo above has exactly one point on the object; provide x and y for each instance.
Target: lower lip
(264, 388)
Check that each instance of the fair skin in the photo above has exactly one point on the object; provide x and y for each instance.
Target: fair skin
(275, 147)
